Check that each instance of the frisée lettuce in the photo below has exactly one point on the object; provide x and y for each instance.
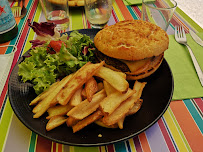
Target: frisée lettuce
(42, 68)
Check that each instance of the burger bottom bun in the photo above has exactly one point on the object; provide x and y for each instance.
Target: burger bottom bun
(144, 75)
(154, 66)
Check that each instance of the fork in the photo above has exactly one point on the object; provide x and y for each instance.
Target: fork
(181, 38)
(16, 9)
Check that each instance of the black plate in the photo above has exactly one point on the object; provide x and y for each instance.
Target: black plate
(157, 95)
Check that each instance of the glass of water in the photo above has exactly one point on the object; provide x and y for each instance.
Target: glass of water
(158, 12)
(57, 11)
(98, 12)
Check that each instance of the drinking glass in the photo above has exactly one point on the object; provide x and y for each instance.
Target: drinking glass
(98, 12)
(158, 12)
(57, 11)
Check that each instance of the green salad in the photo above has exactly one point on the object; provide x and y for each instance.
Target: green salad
(54, 59)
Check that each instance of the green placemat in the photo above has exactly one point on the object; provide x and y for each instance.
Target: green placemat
(135, 2)
(186, 82)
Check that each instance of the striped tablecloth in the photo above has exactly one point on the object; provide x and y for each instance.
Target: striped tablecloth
(179, 129)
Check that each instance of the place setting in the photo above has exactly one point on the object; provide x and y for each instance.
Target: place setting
(19, 90)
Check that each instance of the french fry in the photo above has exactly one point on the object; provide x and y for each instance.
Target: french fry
(39, 106)
(88, 120)
(71, 121)
(85, 108)
(139, 86)
(44, 94)
(50, 100)
(76, 98)
(79, 78)
(55, 122)
(114, 78)
(100, 86)
(60, 96)
(108, 88)
(120, 112)
(120, 123)
(91, 88)
(136, 107)
(51, 103)
(121, 74)
(58, 110)
(111, 102)
(132, 111)
(125, 106)
(84, 95)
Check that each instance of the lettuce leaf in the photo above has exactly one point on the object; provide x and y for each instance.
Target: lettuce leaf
(43, 28)
(43, 69)
(34, 69)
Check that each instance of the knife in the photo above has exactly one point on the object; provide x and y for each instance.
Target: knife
(196, 38)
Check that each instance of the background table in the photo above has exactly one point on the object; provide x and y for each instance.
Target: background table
(179, 129)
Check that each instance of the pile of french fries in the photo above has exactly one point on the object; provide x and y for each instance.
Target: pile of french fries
(93, 94)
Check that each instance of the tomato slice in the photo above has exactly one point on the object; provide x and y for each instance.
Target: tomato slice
(54, 46)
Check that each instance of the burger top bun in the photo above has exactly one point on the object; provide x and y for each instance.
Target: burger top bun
(132, 40)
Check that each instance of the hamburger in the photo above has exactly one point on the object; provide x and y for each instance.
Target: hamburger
(134, 47)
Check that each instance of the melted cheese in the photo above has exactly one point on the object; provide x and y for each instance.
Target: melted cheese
(137, 65)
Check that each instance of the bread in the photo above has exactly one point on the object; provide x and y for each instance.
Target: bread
(58, 2)
(75, 3)
(132, 40)
(71, 3)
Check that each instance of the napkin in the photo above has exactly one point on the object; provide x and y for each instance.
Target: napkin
(186, 81)
(135, 2)
(5, 62)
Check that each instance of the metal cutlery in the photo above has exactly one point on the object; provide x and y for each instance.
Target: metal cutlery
(196, 38)
(16, 9)
(181, 38)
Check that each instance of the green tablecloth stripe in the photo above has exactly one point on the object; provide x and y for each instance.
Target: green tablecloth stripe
(5, 123)
(76, 19)
(32, 142)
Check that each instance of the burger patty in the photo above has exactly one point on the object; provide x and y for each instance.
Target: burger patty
(112, 61)
(135, 69)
